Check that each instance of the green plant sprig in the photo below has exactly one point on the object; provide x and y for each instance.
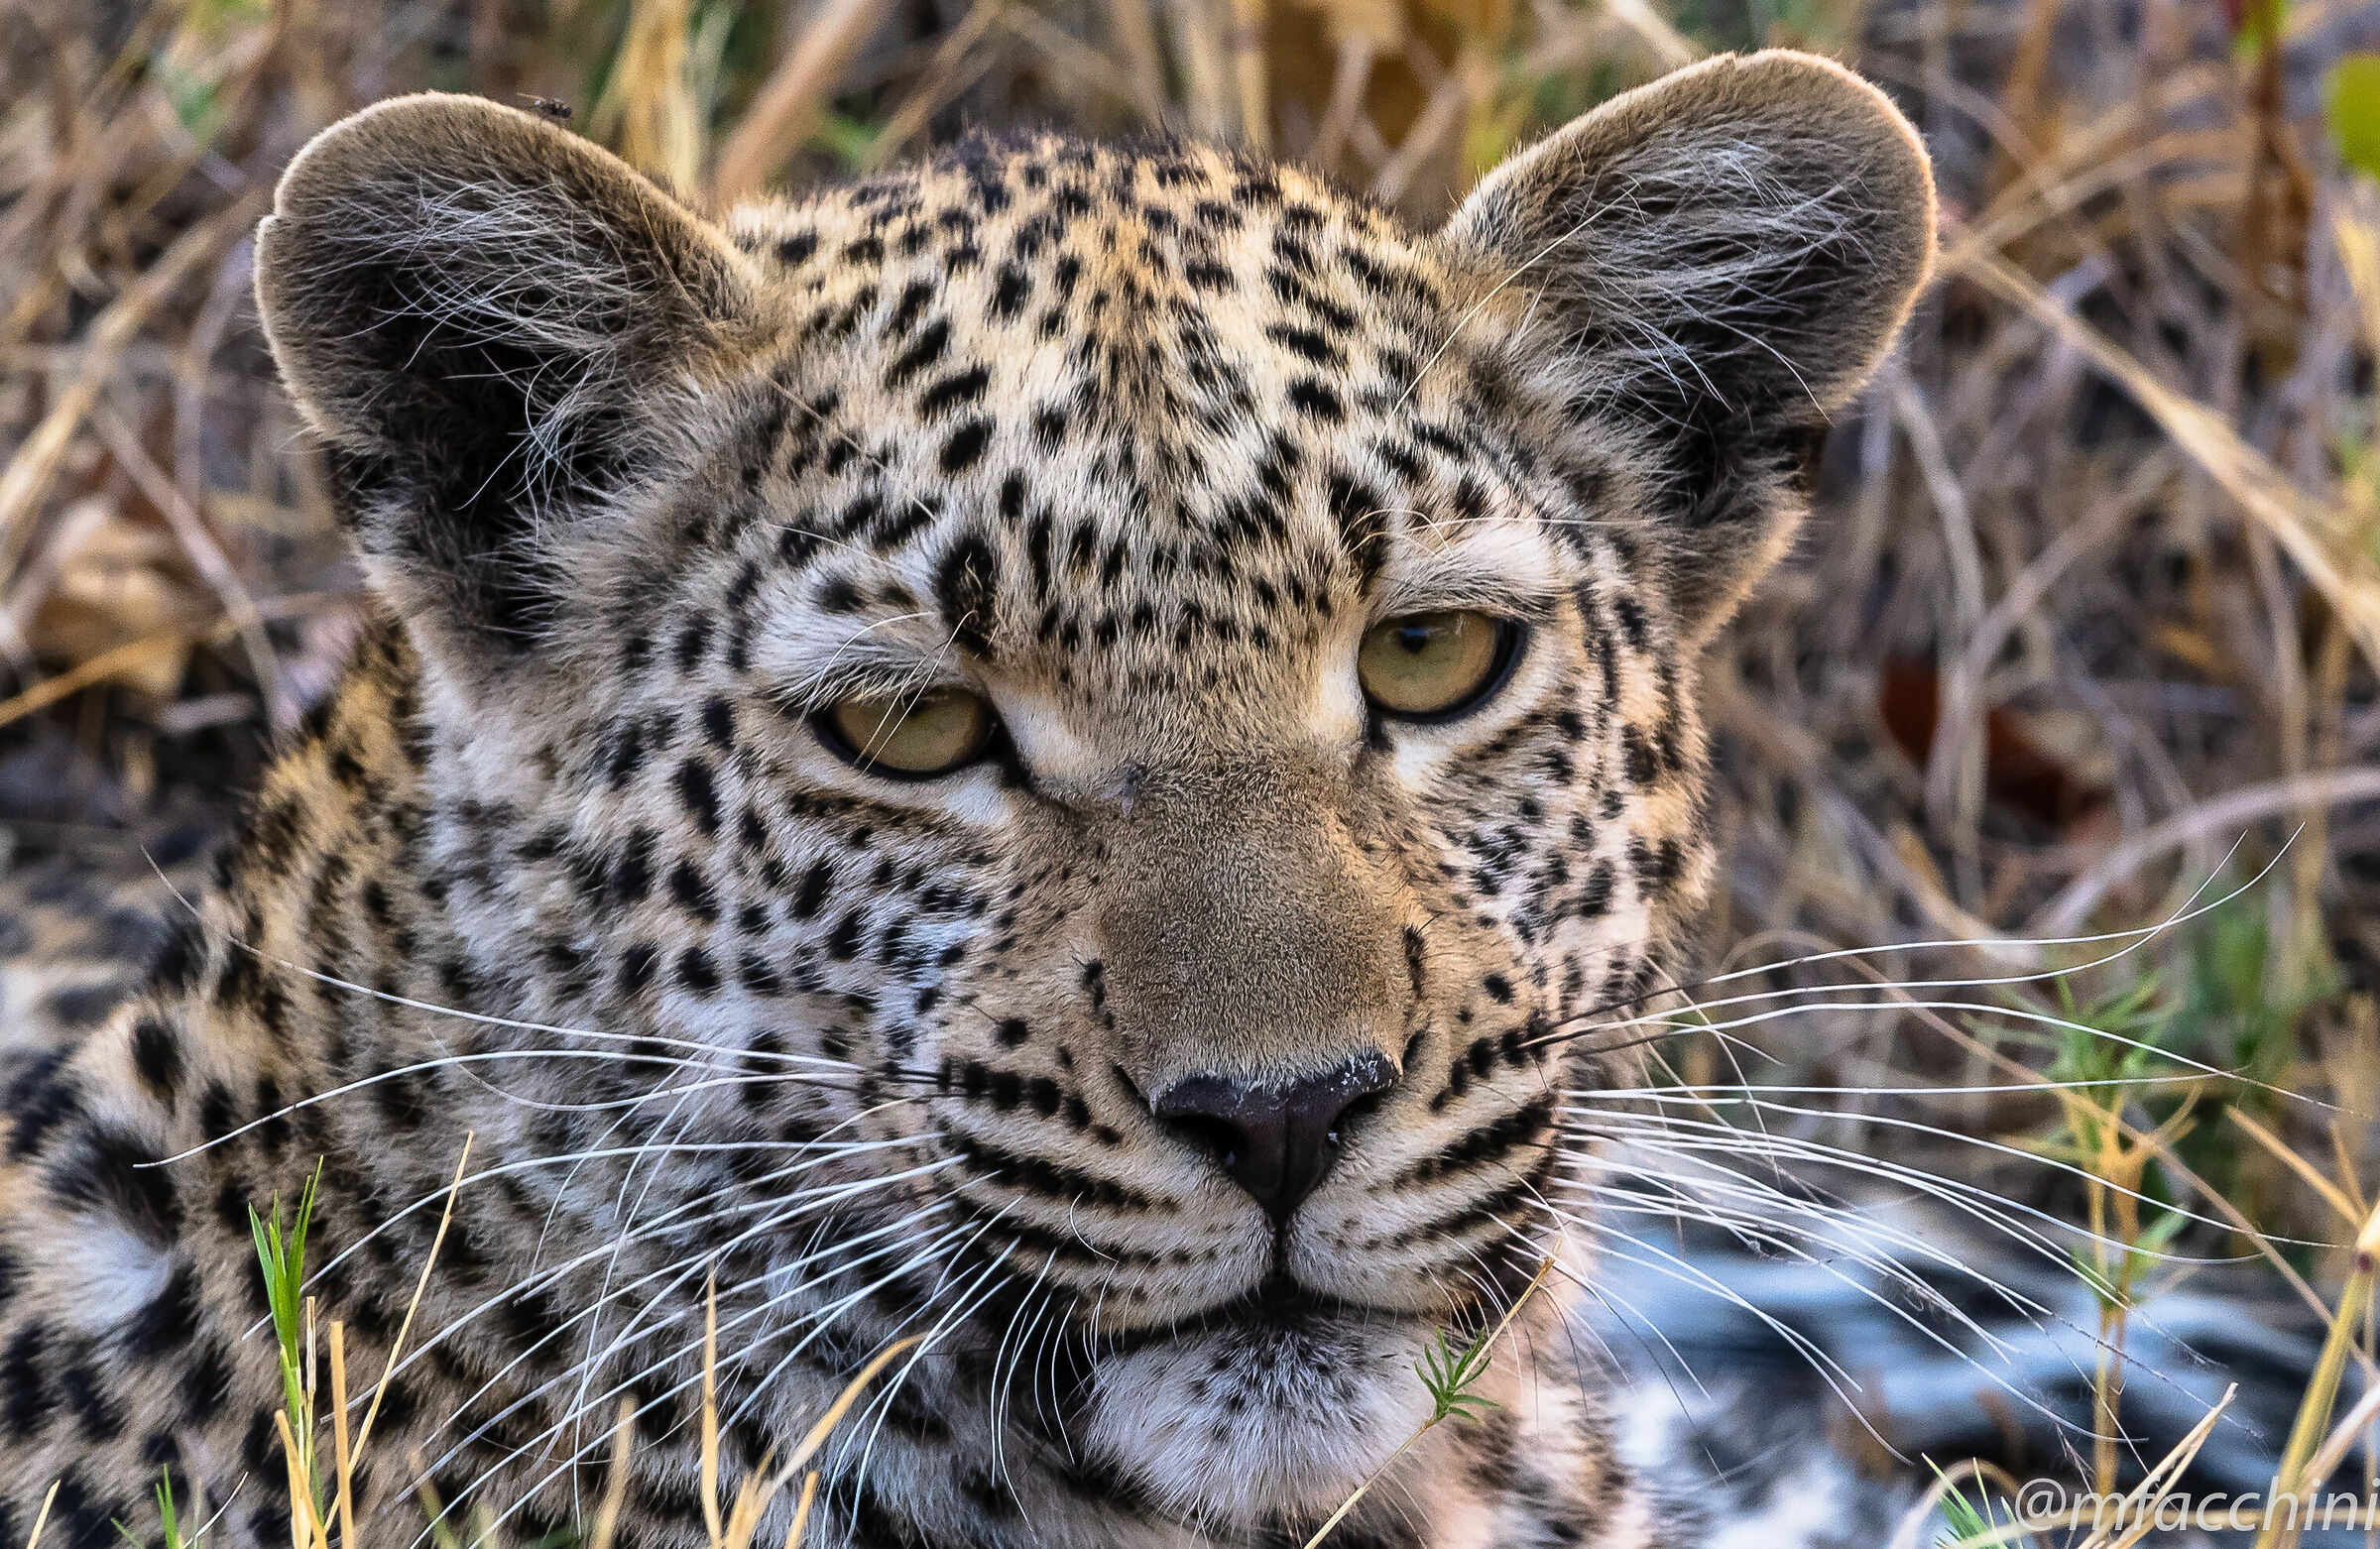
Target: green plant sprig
(1448, 1376)
(282, 1258)
(166, 1518)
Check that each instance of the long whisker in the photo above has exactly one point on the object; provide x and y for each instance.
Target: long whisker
(1606, 1296)
(515, 1024)
(627, 1215)
(1772, 1238)
(1977, 1008)
(595, 1056)
(1034, 1299)
(781, 1212)
(2133, 939)
(823, 1317)
(1860, 1163)
(1833, 1374)
(838, 1151)
(1760, 1217)
(974, 1229)
(882, 1403)
(1754, 1209)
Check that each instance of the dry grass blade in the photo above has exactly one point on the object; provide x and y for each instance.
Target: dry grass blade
(1440, 118)
(753, 1496)
(2314, 1409)
(98, 670)
(2140, 1515)
(342, 1459)
(2114, 1523)
(1248, 72)
(127, 658)
(1136, 33)
(2133, 1517)
(2348, 579)
(760, 1487)
(2343, 1436)
(1912, 1525)
(421, 1286)
(958, 62)
(2357, 237)
(710, 1410)
(306, 1523)
(37, 462)
(801, 1510)
(1201, 57)
(646, 106)
(2281, 1151)
(239, 607)
(2225, 814)
(816, 1436)
(42, 1518)
(787, 109)
(1349, 82)
(1077, 63)
(1665, 42)
(615, 1491)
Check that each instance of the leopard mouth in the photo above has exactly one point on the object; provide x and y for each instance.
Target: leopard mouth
(1279, 1304)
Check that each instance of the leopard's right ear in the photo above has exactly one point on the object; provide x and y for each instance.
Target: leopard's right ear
(483, 314)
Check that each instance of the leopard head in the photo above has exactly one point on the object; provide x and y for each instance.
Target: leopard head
(1154, 697)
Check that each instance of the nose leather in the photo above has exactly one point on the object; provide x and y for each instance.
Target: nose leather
(1275, 1142)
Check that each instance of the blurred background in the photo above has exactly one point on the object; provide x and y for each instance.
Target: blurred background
(2086, 625)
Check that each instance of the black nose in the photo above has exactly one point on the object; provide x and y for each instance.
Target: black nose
(1276, 1143)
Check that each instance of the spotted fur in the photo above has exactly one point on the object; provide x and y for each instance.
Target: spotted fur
(1135, 442)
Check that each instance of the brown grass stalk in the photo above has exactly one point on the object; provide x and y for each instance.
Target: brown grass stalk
(788, 106)
(2304, 527)
(615, 1492)
(404, 1325)
(29, 474)
(40, 1518)
(2314, 1409)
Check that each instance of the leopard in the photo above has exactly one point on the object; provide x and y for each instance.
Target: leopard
(1017, 791)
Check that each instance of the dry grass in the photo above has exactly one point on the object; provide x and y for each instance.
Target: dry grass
(2090, 612)
(321, 1487)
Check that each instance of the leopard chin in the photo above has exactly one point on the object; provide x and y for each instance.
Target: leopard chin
(1277, 1416)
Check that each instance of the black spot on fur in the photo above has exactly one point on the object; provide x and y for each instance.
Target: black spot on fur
(695, 786)
(965, 590)
(157, 1059)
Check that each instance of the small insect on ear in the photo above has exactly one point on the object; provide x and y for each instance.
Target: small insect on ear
(1715, 262)
(483, 315)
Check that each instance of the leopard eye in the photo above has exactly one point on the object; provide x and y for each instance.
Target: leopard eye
(1433, 667)
(910, 735)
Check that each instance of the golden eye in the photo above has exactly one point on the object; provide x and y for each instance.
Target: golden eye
(911, 735)
(1428, 667)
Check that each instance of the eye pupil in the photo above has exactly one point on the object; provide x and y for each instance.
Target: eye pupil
(1432, 666)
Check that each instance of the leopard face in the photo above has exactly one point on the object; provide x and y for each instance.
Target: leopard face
(1136, 700)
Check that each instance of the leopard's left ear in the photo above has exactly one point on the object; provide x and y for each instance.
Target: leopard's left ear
(1718, 259)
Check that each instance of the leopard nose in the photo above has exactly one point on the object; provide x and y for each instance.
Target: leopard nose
(1276, 1143)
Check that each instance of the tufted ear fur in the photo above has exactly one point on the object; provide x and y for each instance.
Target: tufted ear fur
(478, 310)
(1718, 259)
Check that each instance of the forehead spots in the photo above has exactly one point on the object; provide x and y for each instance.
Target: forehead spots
(1117, 421)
